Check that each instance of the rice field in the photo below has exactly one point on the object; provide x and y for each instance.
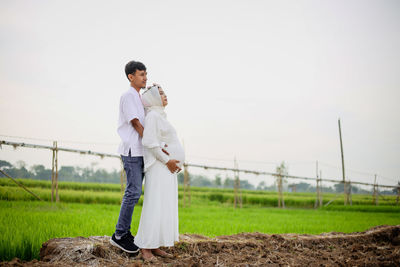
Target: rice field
(73, 192)
(87, 211)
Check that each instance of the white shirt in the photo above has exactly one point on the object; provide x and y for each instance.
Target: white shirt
(130, 107)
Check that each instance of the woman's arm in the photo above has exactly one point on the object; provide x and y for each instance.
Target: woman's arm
(159, 154)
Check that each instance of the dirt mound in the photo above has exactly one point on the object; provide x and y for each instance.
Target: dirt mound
(379, 246)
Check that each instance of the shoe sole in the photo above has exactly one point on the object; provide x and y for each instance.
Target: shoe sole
(118, 246)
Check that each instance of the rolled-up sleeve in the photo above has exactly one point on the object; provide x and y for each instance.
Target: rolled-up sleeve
(129, 109)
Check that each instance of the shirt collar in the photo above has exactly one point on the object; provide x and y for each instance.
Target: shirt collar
(132, 89)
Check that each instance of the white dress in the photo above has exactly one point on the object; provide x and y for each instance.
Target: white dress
(159, 225)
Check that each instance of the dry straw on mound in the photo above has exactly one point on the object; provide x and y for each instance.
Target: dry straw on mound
(377, 246)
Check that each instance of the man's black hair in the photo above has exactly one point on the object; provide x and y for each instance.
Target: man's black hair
(132, 66)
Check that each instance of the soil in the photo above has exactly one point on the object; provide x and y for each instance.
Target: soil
(379, 246)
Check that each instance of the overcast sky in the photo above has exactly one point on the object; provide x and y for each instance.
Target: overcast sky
(264, 81)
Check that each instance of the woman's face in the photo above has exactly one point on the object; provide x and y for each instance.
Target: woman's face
(163, 97)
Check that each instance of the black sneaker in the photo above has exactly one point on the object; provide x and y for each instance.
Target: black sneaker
(125, 243)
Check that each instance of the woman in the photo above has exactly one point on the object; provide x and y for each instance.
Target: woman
(159, 224)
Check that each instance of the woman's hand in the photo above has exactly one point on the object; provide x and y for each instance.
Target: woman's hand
(165, 151)
(172, 165)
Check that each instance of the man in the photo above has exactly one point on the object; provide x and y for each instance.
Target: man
(130, 129)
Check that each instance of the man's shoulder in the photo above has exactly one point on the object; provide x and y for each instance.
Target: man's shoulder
(129, 94)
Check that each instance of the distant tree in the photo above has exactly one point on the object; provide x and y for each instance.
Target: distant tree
(69, 173)
(244, 184)
(21, 172)
(35, 169)
(218, 180)
(200, 180)
(228, 183)
(181, 178)
(327, 189)
(301, 187)
(85, 173)
(339, 188)
(40, 172)
(354, 189)
(5, 164)
(20, 164)
(261, 185)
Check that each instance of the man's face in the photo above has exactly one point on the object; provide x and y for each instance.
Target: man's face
(138, 79)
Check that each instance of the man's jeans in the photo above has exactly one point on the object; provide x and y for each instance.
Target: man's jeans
(134, 178)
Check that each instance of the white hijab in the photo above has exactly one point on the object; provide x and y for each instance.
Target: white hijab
(151, 99)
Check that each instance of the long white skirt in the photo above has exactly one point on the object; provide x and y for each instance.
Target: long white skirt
(159, 223)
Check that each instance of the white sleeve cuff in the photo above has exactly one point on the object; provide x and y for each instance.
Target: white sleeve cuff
(159, 154)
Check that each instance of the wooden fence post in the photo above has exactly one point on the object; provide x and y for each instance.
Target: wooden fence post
(320, 185)
(375, 193)
(281, 201)
(343, 172)
(398, 194)
(235, 184)
(186, 186)
(52, 171)
(238, 192)
(349, 194)
(316, 204)
(56, 166)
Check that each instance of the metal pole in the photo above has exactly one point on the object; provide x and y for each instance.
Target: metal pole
(341, 150)
(21, 185)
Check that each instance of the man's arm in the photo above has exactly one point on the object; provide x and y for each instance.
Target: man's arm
(138, 126)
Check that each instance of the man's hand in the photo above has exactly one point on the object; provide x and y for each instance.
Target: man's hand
(172, 165)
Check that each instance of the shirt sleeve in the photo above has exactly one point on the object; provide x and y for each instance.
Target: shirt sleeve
(129, 108)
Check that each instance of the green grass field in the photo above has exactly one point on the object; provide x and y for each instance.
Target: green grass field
(73, 192)
(26, 224)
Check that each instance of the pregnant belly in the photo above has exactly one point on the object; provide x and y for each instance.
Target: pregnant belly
(175, 151)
